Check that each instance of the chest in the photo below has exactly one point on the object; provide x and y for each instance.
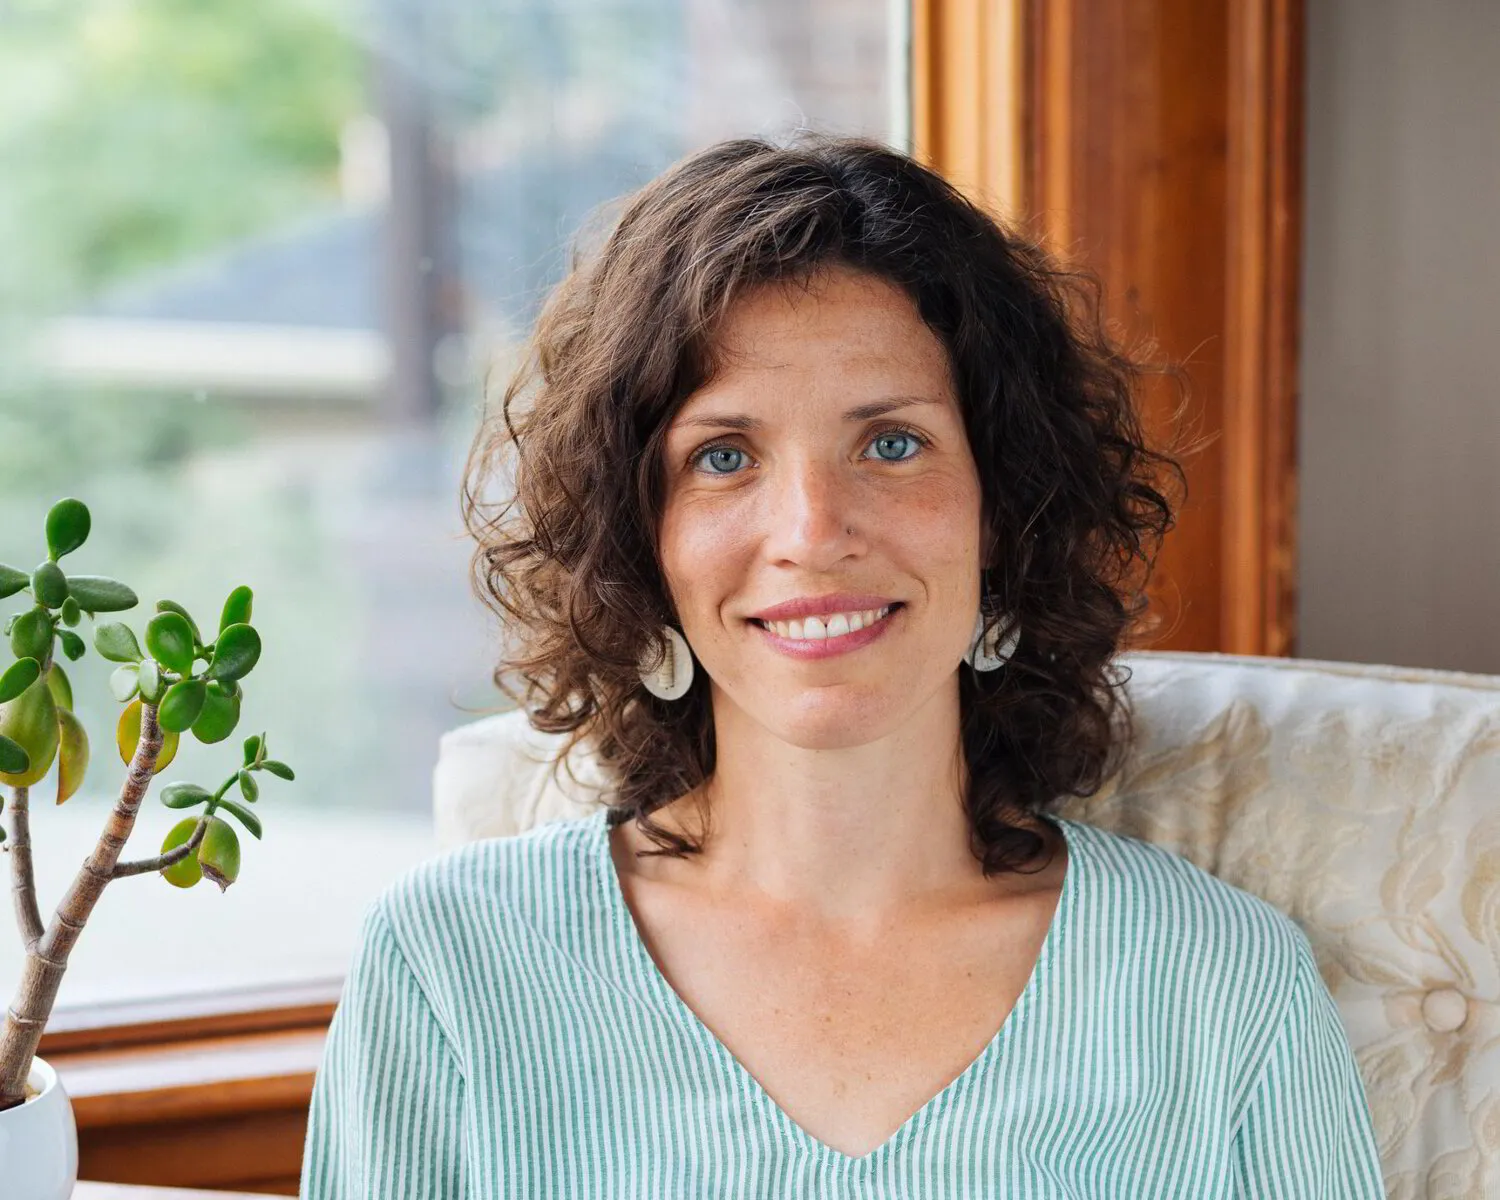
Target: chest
(848, 1041)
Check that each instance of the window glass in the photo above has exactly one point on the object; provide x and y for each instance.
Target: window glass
(256, 261)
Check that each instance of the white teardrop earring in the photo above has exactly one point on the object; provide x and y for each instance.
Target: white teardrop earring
(673, 675)
(986, 651)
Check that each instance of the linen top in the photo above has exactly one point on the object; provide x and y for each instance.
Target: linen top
(504, 1032)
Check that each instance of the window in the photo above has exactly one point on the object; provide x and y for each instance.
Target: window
(258, 259)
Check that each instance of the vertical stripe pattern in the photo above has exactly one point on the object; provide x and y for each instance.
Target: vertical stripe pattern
(1316, 1146)
(504, 1033)
(387, 1112)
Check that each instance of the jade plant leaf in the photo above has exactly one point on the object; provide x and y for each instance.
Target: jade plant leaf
(124, 682)
(116, 641)
(149, 678)
(184, 795)
(67, 527)
(30, 720)
(236, 608)
(247, 818)
(62, 689)
(219, 853)
(187, 871)
(49, 585)
(31, 635)
(19, 676)
(236, 652)
(173, 606)
(182, 704)
(72, 644)
(220, 714)
(169, 640)
(13, 757)
(72, 754)
(96, 594)
(12, 581)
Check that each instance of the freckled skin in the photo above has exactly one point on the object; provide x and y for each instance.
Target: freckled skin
(748, 530)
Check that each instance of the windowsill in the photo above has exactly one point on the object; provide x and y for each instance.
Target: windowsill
(209, 1085)
(191, 1057)
(88, 1190)
(207, 1077)
(173, 1019)
(292, 918)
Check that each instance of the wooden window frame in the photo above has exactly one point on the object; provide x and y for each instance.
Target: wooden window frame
(1020, 103)
(969, 67)
(207, 1090)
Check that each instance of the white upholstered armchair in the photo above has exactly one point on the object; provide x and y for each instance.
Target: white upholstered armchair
(1363, 801)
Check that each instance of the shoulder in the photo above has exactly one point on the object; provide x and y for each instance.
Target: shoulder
(472, 904)
(520, 871)
(1192, 931)
(1158, 888)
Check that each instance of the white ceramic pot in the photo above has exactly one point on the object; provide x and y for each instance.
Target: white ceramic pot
(39, 1141)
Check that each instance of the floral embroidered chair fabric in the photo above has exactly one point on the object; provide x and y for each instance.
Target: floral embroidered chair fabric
(1362, 801)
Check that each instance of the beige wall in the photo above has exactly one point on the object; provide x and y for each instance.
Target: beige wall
(1400, 413)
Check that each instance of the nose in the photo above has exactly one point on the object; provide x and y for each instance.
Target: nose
(811, 508)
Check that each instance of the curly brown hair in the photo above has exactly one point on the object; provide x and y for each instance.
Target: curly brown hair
(1075, 496)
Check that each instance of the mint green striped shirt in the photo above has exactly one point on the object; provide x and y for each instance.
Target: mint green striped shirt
(504, 1032)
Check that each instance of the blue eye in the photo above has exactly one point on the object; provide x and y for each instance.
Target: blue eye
(715, 454)
(724, 459)
(896, 436)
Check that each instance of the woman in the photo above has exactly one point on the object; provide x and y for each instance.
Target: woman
(831, 510)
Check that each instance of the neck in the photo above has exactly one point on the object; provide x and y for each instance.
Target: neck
(854, 834)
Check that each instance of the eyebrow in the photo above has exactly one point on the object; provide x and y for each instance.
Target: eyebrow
(862, 412)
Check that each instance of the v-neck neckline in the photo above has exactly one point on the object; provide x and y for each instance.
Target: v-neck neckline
(629, 934)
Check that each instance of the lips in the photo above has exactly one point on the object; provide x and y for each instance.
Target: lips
(830, 626)
(823, 606)
(827, 647)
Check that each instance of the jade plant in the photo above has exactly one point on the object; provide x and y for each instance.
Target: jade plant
(178, 684)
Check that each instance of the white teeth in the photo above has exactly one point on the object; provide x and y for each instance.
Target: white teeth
(816, 629)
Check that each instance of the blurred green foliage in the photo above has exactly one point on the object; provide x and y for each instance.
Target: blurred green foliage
(137, 136)
(134, 133)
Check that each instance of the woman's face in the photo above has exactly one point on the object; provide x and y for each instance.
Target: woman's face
(780, 489)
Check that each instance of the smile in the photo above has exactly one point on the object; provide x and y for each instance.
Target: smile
(821, 637)
(832, 625)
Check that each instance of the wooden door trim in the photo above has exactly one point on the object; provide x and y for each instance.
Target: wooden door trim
(968, 81)
(1262, 323)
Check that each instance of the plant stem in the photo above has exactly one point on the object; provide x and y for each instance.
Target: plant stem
(175, 855)
(42, 974)
(162, 861)
(23, 880)
(22, 873)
